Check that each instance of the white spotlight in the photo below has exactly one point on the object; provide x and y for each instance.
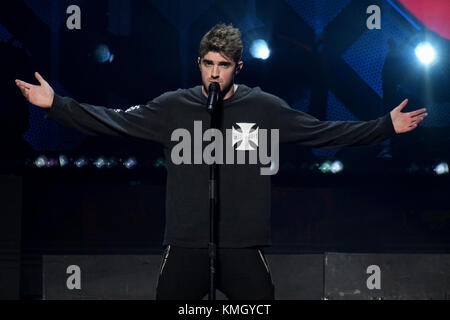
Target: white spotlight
(336, 166)
(41, 161)
(81, 162)
(63, 160)
(425, 53)
(259, 49)
(100, 162)
(130, 163)
(441, 168)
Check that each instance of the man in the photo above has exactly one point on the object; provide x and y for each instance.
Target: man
(244, 208)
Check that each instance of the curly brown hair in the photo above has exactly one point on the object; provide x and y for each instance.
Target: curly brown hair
(224, 39)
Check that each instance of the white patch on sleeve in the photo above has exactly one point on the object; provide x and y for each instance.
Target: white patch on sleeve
(132, 108)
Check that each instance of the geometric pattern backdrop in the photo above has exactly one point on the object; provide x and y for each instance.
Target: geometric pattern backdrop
(363, 51)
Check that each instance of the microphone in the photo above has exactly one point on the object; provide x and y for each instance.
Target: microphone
(213, 95)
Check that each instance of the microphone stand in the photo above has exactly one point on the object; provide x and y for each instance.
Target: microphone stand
(213, 97)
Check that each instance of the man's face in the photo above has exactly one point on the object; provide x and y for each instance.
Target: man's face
(216, 67)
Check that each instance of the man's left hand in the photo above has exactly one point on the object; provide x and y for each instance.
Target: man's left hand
(405, 122)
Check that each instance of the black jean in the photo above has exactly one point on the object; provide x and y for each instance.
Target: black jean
(241, 274)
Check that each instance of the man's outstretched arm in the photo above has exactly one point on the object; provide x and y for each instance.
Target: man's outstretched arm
(303, 128)
(143, 121)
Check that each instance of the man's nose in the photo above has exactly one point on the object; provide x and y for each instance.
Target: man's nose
(215, 72)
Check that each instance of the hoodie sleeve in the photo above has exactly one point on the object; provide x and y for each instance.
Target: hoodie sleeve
(147, 121)
(300, 127)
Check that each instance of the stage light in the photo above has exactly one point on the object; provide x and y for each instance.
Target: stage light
(81, 162)
(102, 54)
(336, 166)
(41, 162)
(441, 168)
(63, 160)
(52, 162)
(425, 53)
(100, 162)
(130, 163)
(259, 49)
(160, 162)
(325, 167)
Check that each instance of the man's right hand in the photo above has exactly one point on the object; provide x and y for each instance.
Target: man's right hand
(41, 96)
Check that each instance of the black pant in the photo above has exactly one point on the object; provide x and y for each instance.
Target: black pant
(241, 274)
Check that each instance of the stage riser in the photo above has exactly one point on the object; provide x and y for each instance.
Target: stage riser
(331, 276)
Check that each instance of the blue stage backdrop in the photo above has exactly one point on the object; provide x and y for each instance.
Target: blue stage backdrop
(323, 60)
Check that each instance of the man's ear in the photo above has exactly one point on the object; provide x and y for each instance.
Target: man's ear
(199, 62)
(238, 67)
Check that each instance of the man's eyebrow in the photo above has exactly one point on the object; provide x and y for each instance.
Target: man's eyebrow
(221, 62)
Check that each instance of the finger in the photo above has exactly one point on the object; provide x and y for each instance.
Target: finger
(24, 92)
(39, 78)
(23, 83)
(24, 88)
(402, 105)
(417, 112)
(417, 120)
(420, 117)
